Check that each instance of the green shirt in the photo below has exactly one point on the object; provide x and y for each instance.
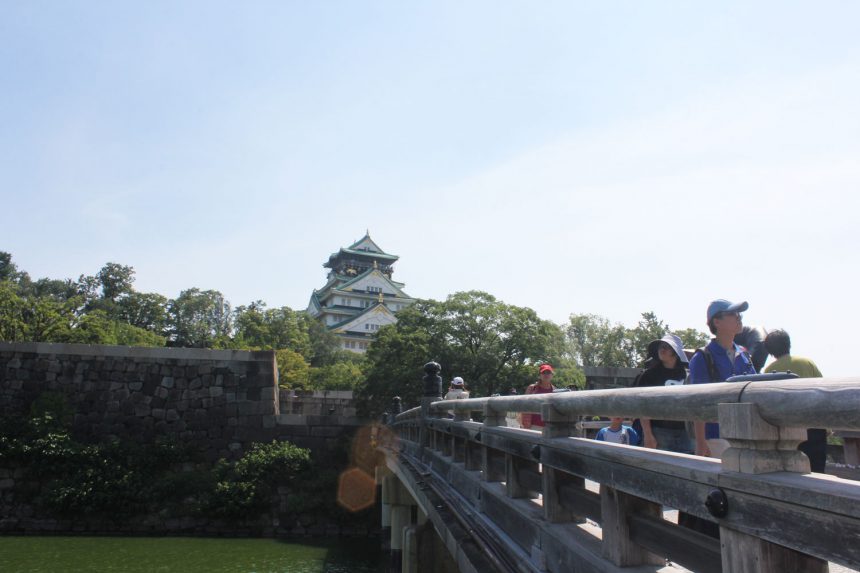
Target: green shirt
(803, 367)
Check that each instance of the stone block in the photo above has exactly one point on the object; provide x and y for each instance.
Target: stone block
(216, 391)
(168, 382)
(142, 410)
(135, 386)
(269, 421)
(326, 431)
(171, 415)
(158, 413)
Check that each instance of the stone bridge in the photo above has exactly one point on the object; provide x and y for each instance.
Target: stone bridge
(466, 495)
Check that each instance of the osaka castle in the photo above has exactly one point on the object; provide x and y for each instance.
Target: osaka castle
(359, 296)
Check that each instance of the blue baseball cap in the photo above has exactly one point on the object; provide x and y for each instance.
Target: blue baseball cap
(722, 305)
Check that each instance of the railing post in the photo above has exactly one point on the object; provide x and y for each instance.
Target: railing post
(432, 393)
(488, 454)
(473, 454)
(757, 446)
(616, 507)
(558, 425)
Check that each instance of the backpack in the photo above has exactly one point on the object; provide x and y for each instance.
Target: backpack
(709, 363)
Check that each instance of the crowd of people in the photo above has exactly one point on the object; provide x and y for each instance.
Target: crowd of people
(734, 350)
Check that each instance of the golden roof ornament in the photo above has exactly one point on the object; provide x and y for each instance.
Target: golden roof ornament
(380, 298)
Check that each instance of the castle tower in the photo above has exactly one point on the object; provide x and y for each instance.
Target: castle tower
(359, 296)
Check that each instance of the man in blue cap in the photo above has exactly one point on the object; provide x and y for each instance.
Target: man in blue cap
(718, 361)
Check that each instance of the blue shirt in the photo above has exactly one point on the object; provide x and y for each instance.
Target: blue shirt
(624, 435)
(723, 367)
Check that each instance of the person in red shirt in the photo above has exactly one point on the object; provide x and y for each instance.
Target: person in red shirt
(542, 386)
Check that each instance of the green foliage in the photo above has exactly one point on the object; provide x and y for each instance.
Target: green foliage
(143, 310)
(247, 485)
(492, 345)
(394, 367)
(271, 329)
(199, 319)
(123, 479)
(692, 338)
(345, 375)
(593, 341)
(293, 370)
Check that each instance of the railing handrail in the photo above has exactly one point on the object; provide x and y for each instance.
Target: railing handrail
(806, 402)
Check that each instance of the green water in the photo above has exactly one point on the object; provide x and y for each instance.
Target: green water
(184, 555)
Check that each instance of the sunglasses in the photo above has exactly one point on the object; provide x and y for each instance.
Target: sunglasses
(737, 315)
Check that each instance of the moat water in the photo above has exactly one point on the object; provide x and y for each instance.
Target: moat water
(186, 555)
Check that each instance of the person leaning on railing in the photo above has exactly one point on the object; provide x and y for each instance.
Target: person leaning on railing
(725, 359)
(542, 386)
(668, 369)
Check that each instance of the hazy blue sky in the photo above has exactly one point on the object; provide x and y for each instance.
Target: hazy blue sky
(603, 157)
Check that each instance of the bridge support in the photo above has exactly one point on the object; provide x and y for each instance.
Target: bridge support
(757, 447)
(397, 506)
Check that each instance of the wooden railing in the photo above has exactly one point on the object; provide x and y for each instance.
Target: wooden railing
(773, 515)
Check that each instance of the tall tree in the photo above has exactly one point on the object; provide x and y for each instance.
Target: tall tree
(272, 329)
(393, 368)
(199, 319)
(144, 310)
(115, 280)
(692, 338)
(594, 341)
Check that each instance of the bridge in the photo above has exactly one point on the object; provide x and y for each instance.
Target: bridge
(462, 491)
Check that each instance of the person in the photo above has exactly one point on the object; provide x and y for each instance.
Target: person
(752, 338)
(617, 433)
(778, 345)
(542, 386)
(457, 390)
(668, 367)
(721, 359)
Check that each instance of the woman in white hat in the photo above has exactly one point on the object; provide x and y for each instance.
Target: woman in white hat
(457, 390)
(668, 368)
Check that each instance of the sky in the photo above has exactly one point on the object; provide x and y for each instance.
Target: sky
(597, 157)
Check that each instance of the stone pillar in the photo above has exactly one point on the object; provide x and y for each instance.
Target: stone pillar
(410, 549)
(397, 497)
(489, 470)
(401, 518)
(755, 447)
(432, 393)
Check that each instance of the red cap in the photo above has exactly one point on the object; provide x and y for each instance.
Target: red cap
(545, 368)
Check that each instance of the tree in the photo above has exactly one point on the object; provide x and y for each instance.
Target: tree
(13, 327)
(293, 370)
(593, 341)
(9, 270)
(199, 319)
(115, 280)
(144, 310)
(393, 368)
(325, 345)
(272, 329)
(692, 338)
(339, 376)
(493, 345)
(649, 328)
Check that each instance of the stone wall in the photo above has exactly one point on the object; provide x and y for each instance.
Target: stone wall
(218, 401)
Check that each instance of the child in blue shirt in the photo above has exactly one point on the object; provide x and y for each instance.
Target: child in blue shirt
(617, 433)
